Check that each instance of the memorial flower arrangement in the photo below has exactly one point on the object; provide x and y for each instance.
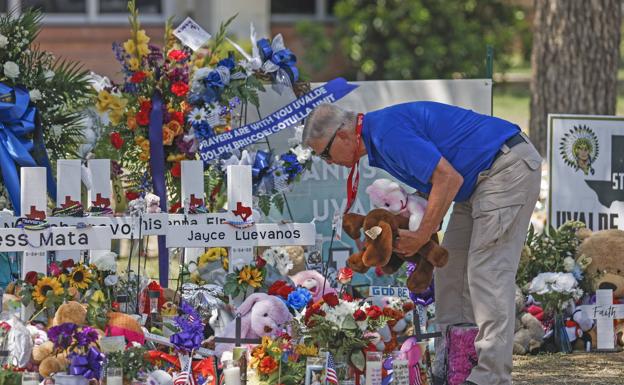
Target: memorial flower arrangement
(279, 361)
(339, 325)
(246, 278)
(80, 345)
(295, 298)
(43, 100)
(554, 251)
(555, 291)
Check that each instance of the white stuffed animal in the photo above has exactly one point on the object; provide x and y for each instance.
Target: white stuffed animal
(389, 195)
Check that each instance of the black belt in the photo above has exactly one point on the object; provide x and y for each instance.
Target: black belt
(511, 142)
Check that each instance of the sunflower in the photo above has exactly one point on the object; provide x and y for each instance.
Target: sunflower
(250, 276)
(44, 286)
(80, 278)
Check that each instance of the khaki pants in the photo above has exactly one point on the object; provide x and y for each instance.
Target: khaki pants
(484, 238)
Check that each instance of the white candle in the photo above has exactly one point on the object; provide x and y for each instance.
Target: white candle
(373, 373)
(232, 376)
(114, 380)
(30, 382)
(400, 372)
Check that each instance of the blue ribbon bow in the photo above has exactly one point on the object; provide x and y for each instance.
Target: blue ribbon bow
(283, 58)
(18, 121)
(88, 365)
(262, 173)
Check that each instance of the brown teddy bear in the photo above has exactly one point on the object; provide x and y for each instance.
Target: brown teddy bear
(604, 251)
(71, 311)
(381, 228)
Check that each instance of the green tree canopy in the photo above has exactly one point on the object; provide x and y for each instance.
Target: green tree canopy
(420, 39)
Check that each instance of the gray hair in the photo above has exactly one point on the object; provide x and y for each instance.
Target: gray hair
(324, 120)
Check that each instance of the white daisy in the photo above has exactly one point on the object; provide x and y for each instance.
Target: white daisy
(197, 115)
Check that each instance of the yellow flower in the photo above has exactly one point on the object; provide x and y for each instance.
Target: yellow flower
(266, 341)
(175, 157)
(139, 139)
(104, 99)
(98, 297)
(143, 50)
(115, 116)
(145, 155)
(211, 255)
(80, 278)
(145, 145)
(130, 47)
(134, 64)
(225, 263)
(117, 104)
(142, 37)
(304, 350)
(44, 286)
(252, 277)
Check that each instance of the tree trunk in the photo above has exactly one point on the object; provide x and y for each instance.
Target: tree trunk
(576, 48)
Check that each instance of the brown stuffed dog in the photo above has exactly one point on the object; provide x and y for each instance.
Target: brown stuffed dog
(381, 228)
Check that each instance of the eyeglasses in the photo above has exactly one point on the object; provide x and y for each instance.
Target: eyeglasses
(325, 153)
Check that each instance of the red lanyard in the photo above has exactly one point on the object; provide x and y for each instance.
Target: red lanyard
(352, 185)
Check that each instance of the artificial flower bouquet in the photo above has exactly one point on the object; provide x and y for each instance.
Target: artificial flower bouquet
(79, 343)
(341, 326)
(555, 291)
(279, 360)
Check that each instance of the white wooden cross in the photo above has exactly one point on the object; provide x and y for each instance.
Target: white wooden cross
(604, 312)
(215, 230)
(33, 202)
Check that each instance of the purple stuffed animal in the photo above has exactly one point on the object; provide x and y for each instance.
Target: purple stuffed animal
(261, 315)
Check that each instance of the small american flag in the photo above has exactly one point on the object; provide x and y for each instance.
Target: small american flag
(330, 370)
(185, 375)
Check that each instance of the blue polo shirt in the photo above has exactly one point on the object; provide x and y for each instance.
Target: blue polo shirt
(407, 140)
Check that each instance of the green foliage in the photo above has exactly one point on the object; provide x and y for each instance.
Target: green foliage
(318, 45)
(62, 84)
(545, 252)
(131, 360)
(345, 341)
(420, 39)
(264, 203)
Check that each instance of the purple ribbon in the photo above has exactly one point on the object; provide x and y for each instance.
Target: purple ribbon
(157, 165)
(186, 340)
(88, 365)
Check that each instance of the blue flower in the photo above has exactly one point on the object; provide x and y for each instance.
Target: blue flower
(213, 80)
(291, 165)
(203, 130)
(227, 62)
(299, 298)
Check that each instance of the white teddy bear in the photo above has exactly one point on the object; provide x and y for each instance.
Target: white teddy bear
(389, 195)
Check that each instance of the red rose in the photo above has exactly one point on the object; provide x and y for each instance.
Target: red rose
(281, 289)
(378, 271)
(260, 263)
(146, 105)
(116, 140)
(179, 88)
(142, 118)
(359, 315)
(31, 277)
(115, 305)
(138, 77)
(374, 312)
(177, 55)
(345, 275)
(276, 286)
(285, 290)
(175, 208)
(331, 299)
(66, 264)
(347, 297)
(177, 116)
(176, 170)
(131, 195)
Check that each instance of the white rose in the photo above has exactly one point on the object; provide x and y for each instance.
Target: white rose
(48, 75)
(568, 264)
(105, 261)
(11, 70)
(302, 153)
(35, 95)
(3, 41)
(565, 283)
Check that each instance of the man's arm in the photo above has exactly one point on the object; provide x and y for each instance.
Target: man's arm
(445, 183)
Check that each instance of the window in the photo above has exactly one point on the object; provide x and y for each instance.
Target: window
(289, 11)
(97, 11)
(121, 6)
(57, 6)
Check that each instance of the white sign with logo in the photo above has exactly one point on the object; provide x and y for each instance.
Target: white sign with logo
(586, 168)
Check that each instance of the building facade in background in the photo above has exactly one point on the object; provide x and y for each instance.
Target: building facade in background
(84, 29)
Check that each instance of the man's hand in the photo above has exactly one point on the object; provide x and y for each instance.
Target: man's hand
(409, 242)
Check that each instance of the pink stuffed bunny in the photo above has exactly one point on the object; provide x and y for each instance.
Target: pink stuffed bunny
(313, 281)
(261, 315)
(386, 194)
